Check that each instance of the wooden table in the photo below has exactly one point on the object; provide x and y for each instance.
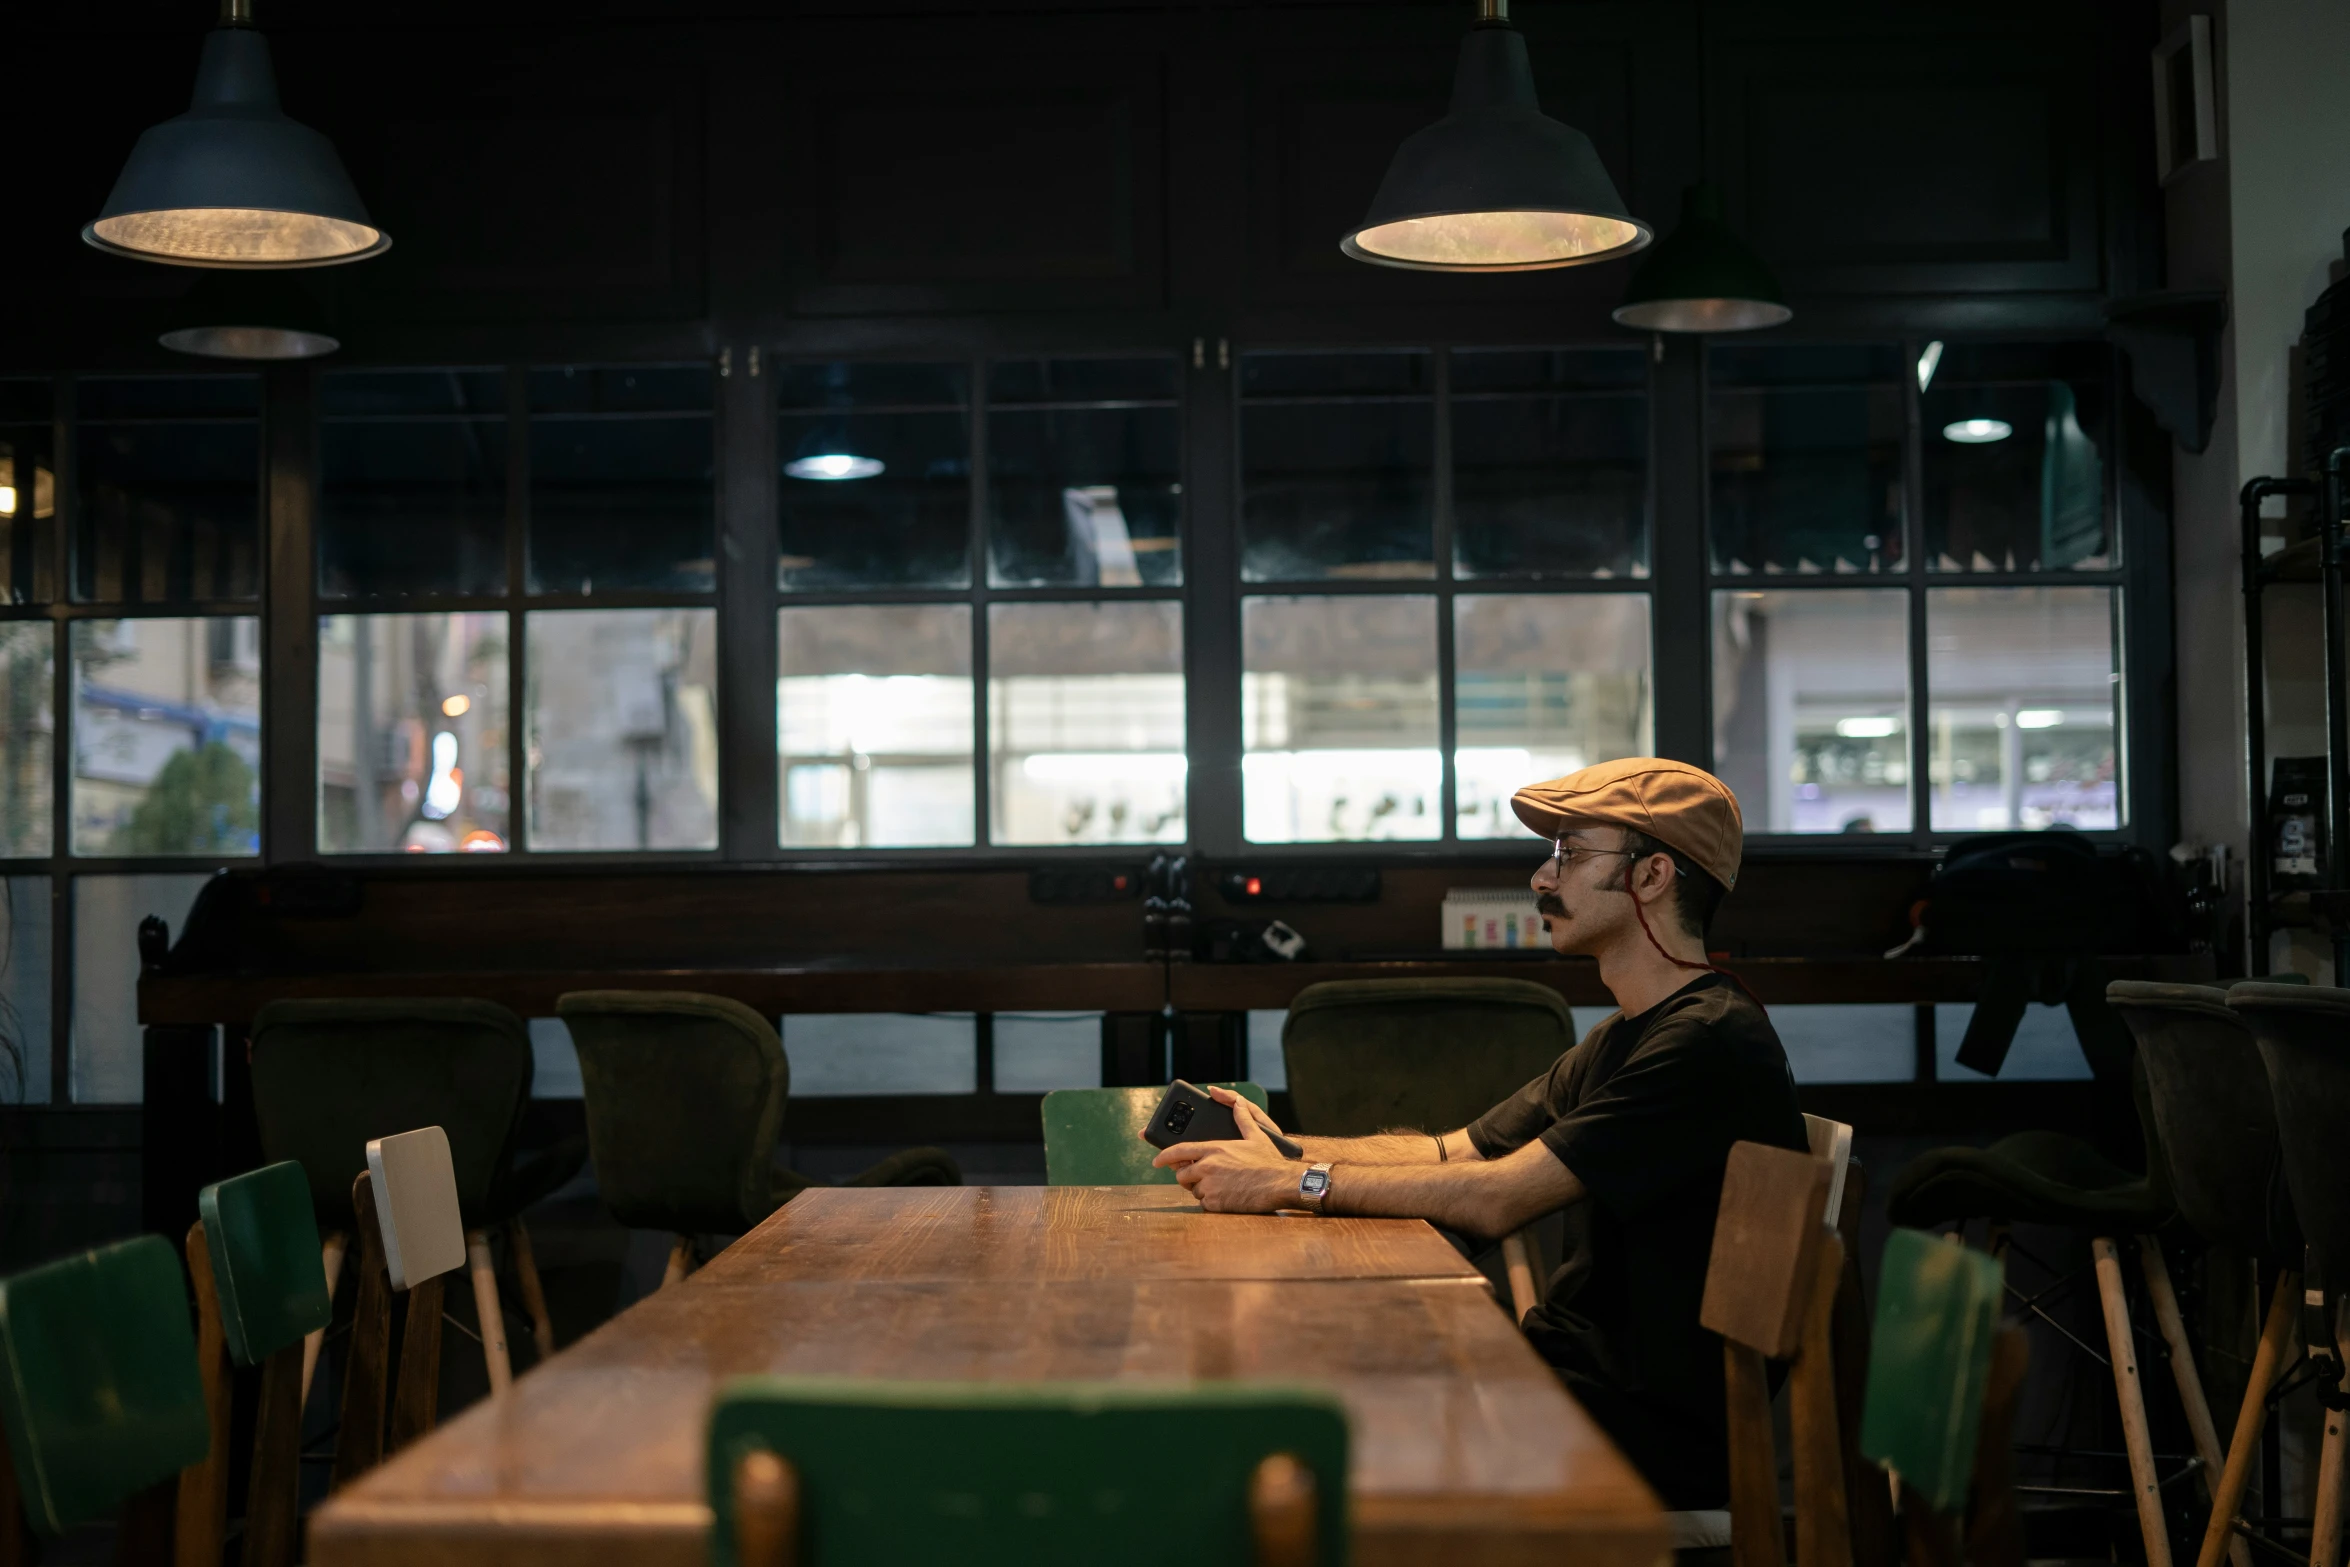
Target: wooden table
(1465, 1446)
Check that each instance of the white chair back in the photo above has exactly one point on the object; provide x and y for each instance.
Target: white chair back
(1832, 1141)
(416, 1205)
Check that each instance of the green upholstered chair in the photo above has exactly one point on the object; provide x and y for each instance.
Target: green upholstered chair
(685, 1099)
(1372, 1055)
(1930, 1355)
(329, 1076)
(1093, 1136)
(101, 1400)
(1025, 1475)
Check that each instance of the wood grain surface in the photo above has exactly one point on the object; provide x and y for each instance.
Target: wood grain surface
(1465, 1445)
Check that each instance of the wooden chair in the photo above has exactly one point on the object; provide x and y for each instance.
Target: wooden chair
(253, 1255)
(1093, 1136)
(826, 1472)
(1944, 1375)
(1770, 1291)
(1868, 1502)
(411, 1234)
(102, 1405)
(1371, 1055)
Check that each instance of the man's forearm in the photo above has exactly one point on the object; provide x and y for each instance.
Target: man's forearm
(1379, 1148)
(1487, 1199)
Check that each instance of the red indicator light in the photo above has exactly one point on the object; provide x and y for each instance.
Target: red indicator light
(1119, 884)
(1256, 885)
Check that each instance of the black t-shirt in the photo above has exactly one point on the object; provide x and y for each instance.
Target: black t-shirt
(1644, 1111)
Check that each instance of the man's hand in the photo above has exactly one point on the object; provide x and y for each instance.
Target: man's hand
(1246, 1174)
(1245, 1110)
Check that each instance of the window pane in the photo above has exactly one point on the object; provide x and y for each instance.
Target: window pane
(170, 505)
(2014, 445)
(621, 725)
(2046, 1047)
(28, 728)
(2023, 684)
(1542, 684)
(882, 1053)
(1338, 713)
(412, 467)
(1806, 452)
(24, 990)
(1037, 1052)
(1848, 1044)
(1085, 713)
(28, 494)
(873, 726)
(412, 752)
(1337, 455)
(1082, 490)
(167, 736)
(108, 1055)
(1811, 708)
(874, 481)
(621, 488)
(1549, 463)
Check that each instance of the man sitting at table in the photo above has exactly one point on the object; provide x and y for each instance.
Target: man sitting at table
(1628, 1133)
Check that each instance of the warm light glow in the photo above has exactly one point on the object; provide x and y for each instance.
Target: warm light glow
(1867, 728)
(2039, 718)
(1496, 241)
(481, 841)
(1703, 315)
(1977, 432)
(834, 465)
(7, 500)
(457, 706)
(238, 237)
(1929, 359)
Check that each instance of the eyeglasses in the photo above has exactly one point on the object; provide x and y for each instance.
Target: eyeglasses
(1564, 854)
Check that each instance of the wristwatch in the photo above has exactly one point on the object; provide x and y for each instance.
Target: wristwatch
(1313, 1187)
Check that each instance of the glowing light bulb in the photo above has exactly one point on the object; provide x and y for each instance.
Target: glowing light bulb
(834, 465)
(457, 706)
(1977, 432)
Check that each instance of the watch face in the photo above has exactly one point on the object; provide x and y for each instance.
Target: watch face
(1316, 1182)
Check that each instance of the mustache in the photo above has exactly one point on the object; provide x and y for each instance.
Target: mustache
(1548, 903)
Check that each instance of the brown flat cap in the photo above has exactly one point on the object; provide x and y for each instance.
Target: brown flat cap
(1681, 807)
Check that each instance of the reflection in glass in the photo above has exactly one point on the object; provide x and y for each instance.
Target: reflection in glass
(412, 752)
(1337, 460)
(2014, 465)
(873, 487)
(412, 470)
(1085, 713)
(1339, 725)
(2023, 684)
(1806, 452)
(1549, 463)
(28, 728)
(108, 1056)
(170, 502)
(1542, 684)
(1811, 708)
(873, 723)
(28, 494)
(1083, 490)
(621, 729)
(24, 990)
(167, 736)
(622, 489)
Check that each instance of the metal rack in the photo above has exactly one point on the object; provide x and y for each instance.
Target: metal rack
(2320, 561)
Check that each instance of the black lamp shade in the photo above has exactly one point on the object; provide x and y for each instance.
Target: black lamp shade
(1702, 277)
(1496, 185)
(233, 182)
(247, 315)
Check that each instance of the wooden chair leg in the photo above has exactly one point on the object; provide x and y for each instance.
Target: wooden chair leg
(201, 1528)
(2182, 1366)
(2325, 1535)
(681, 1261)
(359, 1440)
(1868, 1494)
(1517, 1258)
(2129, 1390)
(416, 1402)
(1755, 1531)
(272, 1505)
(1994, 1525)
(534, 1297)
(144, 1536)
(1281, 1512)
(1933, 1538)
(493, 1316)
(766, 1511)
(330, 1256)
(1823, 1523)
(2276, 1336)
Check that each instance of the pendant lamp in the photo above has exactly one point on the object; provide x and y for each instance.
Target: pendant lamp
(1496, 185)
(1702, 277)
(247, 315)
(233, 182)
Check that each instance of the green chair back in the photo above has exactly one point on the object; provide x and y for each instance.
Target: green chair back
(1370, 1055)
(328, 1076)
(1026, 1474)
(685, 1097)
(1929, 1357)
(262, 1236)
(1093, 1136)
(99, 1389)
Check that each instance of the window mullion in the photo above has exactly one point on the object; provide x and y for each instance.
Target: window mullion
(1447, 717)
(517, 619)
(1913, 524)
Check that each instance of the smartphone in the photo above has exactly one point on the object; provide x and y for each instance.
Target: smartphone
(1187, 1115)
